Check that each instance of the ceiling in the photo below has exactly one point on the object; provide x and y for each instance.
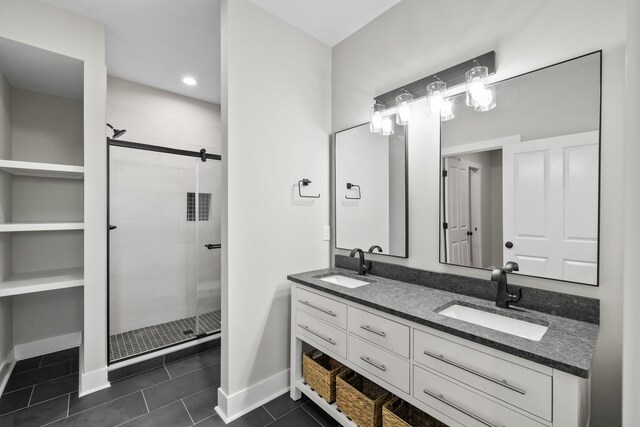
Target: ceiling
(158, 42)
(27, 67)
(329, 21)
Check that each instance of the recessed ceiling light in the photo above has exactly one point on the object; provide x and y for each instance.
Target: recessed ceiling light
(189, 81)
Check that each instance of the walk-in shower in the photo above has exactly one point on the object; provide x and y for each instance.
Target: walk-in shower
(164, 247)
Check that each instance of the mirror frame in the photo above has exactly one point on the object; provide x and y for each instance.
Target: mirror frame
(441, 182)
(406, 191)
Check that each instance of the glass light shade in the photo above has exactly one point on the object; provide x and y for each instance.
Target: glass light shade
(446, 110)
(375, 117)
(388, 126)
(476, 82)
(434, 96)
(403, 109)
(485, 100)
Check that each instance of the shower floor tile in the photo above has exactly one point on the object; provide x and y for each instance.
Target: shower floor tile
(138, 341)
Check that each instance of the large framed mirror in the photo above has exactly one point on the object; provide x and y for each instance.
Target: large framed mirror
(371, 191)
(521, 182)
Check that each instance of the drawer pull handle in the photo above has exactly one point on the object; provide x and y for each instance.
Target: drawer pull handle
(503, 383)
(441, 398)
(374, 363)
(307, 303)
(373, 331)
(311, 331)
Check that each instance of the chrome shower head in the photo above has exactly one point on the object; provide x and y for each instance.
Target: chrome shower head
(117, 133)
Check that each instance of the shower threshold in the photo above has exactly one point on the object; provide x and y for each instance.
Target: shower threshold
(138, 341)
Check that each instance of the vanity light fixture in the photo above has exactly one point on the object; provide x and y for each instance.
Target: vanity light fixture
(403, 109)
(480, 95)
(375, 117)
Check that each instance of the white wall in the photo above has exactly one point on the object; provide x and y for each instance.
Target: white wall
(157, 117)
(525, 38)
(6, 253)
(153, 264)
(46, 128)
(631, 291)
(276, 120)
(47, 27)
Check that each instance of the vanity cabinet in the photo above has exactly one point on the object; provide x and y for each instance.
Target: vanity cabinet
(460, 382)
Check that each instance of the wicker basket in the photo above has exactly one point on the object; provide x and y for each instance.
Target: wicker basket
(320, 374)
(398, 413)
(360, 399)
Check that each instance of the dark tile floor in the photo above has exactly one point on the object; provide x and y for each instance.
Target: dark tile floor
(43, 391)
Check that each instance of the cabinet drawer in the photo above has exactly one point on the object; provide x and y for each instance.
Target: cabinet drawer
(464, 406)
(325, 308)
(514, 384)
(322, 335)
(386, 333)
(384, 365)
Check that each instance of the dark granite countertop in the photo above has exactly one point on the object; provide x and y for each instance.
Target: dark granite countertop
(568, 345)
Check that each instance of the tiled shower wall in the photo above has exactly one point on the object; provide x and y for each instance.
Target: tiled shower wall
(153, 273)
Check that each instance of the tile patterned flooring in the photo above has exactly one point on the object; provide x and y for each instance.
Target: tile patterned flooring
(42, 391)
(139, 341)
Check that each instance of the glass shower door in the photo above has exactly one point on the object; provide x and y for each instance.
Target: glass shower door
(208, 245)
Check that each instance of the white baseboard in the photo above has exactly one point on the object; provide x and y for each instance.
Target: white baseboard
(93, 381)
(244, 401)
(5, 370)
(47, 345)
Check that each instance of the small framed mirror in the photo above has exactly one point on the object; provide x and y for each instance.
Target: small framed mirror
(520, 182)
(371, 191)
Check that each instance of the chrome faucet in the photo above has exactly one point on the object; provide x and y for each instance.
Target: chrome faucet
(363, 265)
(499, 275)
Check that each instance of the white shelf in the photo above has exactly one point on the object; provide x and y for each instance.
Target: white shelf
(40, 226)
(44, 170)
(40, 281)
(331, 409)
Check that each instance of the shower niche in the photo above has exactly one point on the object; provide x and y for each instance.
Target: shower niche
(164, 247)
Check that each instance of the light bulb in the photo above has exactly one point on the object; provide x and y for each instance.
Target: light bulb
(375, 117)
(476, 88)
(485, 99)
(404, 113)
(434, 96)
(475, 78)
(387, 126)
(403, 109)
(376, 121)
(446, 110)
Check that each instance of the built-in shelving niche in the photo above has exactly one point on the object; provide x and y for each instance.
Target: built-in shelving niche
(41, 198)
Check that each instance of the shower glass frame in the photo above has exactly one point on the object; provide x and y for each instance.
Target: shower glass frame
(199, 157)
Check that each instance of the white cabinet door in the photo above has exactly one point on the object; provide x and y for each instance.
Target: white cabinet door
(550, 206)
(456, 213)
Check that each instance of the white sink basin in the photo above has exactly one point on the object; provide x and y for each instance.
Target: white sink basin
(520, 328)
(345, 281)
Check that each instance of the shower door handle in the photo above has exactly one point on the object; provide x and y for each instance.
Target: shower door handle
(212, 246)
(112, 227)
